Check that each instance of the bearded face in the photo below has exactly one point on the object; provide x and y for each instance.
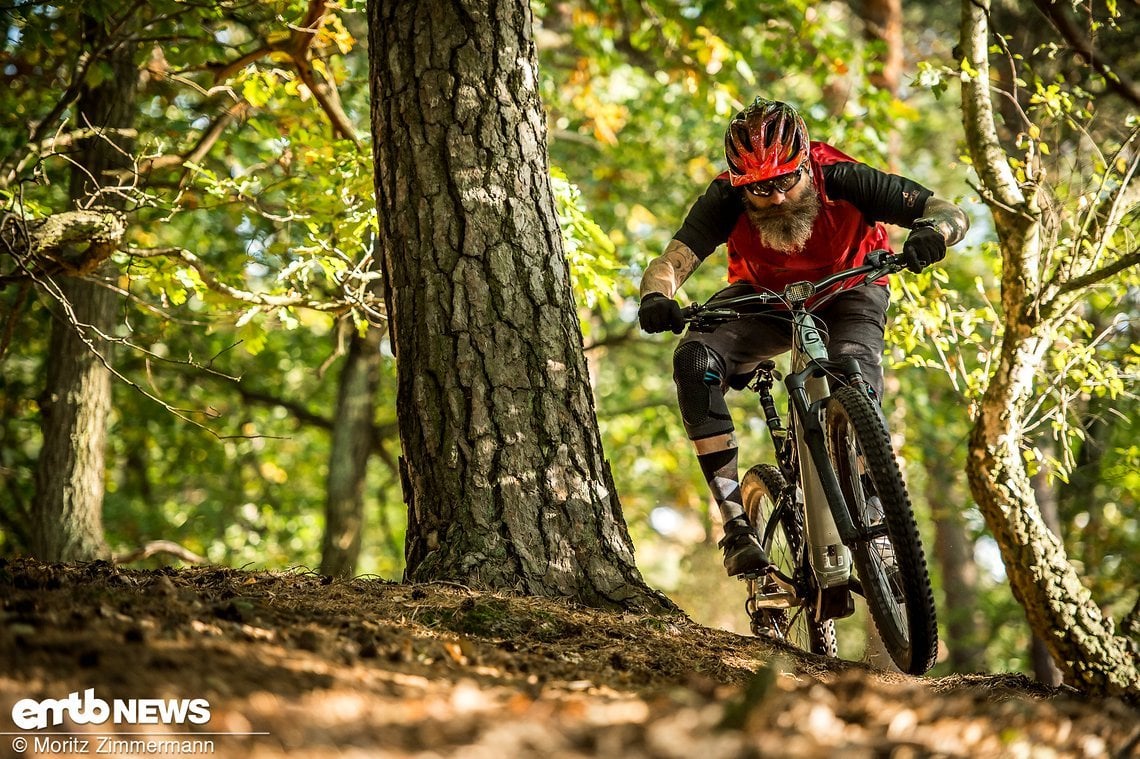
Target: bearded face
(786, 227)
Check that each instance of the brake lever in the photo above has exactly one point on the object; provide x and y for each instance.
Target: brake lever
(885, 263)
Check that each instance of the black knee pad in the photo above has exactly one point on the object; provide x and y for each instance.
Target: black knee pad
(698, 373)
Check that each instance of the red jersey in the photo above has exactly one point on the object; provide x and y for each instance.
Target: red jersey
(854, 198)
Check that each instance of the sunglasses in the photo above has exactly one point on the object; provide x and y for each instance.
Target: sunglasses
(781, 183)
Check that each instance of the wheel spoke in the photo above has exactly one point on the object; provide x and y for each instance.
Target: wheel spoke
(781, 527)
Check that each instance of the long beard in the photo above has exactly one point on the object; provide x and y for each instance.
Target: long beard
(786, 227)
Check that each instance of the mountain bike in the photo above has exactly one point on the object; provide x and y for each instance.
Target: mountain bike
(833, 512)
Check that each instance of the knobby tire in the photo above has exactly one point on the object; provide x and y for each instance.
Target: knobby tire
(894, 577)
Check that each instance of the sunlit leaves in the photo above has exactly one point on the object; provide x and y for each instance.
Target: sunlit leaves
(589, 252)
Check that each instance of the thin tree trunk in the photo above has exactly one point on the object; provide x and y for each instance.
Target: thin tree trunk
(954, 552)
(70, 472)
(503, 472)
(348, 456)
(883, 24)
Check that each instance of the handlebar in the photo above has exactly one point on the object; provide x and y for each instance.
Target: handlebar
(878, 263)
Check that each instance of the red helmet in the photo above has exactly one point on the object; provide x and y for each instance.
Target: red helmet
(765, 140)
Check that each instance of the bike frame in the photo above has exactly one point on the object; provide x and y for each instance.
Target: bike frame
(808, 391)
(827, 520)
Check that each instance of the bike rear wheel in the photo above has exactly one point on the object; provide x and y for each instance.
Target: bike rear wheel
(888, 556)
(773, 611)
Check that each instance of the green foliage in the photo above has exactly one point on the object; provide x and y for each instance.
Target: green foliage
(589, 252)
(275, 218)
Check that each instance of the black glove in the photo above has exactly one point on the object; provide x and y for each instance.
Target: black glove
(658, 313)
(924, 246)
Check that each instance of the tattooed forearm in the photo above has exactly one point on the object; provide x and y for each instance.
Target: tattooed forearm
(950, 219)
(666, 273)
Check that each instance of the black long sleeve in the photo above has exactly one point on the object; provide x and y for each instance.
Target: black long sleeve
(879, 196)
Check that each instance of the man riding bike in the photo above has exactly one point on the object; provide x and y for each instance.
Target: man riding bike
(789, 210)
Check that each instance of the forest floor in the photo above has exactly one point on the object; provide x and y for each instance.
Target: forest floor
(293, 664)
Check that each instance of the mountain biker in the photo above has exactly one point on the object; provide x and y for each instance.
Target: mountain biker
(789, 210)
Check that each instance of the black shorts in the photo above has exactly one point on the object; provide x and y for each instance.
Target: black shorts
(853, 324)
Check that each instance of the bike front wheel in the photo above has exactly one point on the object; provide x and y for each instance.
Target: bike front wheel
(888, 553)
(776, 611)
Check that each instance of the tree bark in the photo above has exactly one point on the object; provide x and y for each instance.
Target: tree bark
(1059, 608)
(67, 512)
(1044, 668)
(352, 437)
(503, 471)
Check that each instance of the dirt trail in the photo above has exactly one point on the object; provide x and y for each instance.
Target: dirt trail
(293, 664)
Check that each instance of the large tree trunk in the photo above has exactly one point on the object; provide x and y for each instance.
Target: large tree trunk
(503, 470)
(1059, 608)
(67, 513)
(352, 439)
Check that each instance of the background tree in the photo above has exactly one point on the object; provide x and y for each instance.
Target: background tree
(1043, 278)
(67, 523)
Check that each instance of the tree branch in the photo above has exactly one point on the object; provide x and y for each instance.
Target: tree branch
(292, 300)
(72, 242)
(1087, 280)
(199, 151)
(989, 159)
(302, 414)
(327, 97)
(227, 70)
(325, 93)
(299, 49)
(1083, 47)
(380, 433)
(613, 338)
